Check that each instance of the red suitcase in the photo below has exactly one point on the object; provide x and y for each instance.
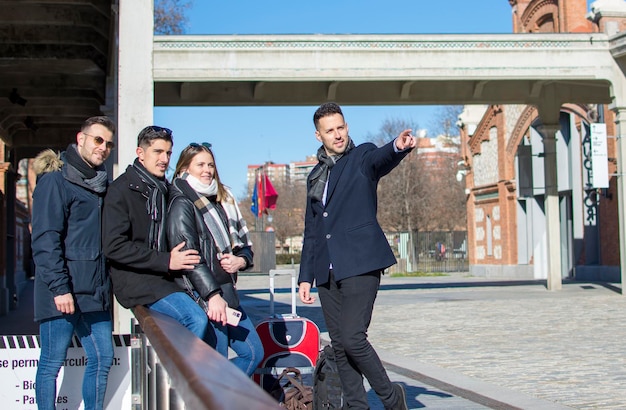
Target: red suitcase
(288, 340)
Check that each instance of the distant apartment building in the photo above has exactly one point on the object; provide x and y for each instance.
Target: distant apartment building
(281, 173)
(435, 152)
(277, 173)
(298, 171)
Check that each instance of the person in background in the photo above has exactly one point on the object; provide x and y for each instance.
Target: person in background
(143, 268)
(345, 250)
(204, 213)
(72, 284)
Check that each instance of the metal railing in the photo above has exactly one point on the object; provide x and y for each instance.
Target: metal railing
(173, 369)
(430, 252)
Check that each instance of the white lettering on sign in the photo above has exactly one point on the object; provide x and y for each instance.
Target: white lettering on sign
(599, 156)
(19, 357)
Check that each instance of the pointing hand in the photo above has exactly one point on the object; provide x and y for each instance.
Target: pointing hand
(405, 140)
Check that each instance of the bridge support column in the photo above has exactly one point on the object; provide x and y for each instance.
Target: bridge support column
(552, 205)
(135, 96)
(135, 85)
(620, 121)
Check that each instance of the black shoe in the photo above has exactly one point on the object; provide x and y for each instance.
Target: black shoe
(401, 403)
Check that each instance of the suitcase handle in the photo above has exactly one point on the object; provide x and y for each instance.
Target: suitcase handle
(273, 273)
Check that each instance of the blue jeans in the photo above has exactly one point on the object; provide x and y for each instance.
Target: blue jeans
(243, 339)
(186, 311)
(94, 331)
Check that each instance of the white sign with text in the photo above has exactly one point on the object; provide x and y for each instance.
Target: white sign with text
(599, 156)
(19, 357)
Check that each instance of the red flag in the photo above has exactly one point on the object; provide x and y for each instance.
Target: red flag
(269, 195)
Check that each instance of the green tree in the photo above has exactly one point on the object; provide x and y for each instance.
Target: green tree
(170, 17)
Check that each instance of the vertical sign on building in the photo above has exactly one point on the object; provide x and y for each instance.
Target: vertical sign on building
(599, 156)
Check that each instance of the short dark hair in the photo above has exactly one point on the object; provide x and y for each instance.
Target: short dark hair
(325, 110)
(101, 120)
(154, 132)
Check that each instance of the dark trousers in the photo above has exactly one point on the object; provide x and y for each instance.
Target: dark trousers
(347, 307)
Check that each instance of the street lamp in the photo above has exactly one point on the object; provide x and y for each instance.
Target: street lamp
(463, 170)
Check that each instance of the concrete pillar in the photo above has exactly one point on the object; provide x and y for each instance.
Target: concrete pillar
(135, 88)
(552, 205)
(5, 295)
(135, 96)
(620, 121)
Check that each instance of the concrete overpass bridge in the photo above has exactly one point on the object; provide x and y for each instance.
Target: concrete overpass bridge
(383, 69)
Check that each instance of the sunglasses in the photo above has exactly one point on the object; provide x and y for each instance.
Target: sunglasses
(206, 145)
(158, 129)
(99, 140)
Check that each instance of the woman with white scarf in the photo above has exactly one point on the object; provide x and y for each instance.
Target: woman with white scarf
(204, 214)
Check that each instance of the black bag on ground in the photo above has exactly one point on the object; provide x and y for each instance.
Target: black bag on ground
(327, 391)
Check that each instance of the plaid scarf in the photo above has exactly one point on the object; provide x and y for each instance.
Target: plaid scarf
(223, 219)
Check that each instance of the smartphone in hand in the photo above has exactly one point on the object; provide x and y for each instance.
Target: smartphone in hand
(232, 316)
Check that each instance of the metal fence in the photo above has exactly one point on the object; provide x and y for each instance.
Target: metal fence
(172, 369)
(430, 252)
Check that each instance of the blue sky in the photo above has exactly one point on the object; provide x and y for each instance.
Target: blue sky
(254, 135)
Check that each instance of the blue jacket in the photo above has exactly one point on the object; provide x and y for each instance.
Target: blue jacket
(345, 232)
(66, 242)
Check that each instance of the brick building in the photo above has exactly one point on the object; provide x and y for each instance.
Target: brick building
(504, 169)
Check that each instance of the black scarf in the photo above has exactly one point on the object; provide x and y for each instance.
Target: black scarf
(95, 179)
(320, 176)
(155, 206)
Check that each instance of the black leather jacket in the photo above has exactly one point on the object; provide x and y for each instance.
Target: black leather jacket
(185, 223)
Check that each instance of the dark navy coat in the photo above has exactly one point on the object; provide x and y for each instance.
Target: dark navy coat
(66, 243)
(345, 232)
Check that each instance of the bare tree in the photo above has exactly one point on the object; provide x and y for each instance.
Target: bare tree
(444, 121)
(170, 17)
(244, 206)
(401, 199)
(421, 193)
(446, 195)
(288, 217)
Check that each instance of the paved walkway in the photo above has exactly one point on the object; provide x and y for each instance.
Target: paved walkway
(469, 343)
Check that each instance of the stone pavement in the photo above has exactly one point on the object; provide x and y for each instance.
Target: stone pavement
(459, 342)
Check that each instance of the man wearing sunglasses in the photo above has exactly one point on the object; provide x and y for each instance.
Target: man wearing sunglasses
(134, 238)
(72, 285)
